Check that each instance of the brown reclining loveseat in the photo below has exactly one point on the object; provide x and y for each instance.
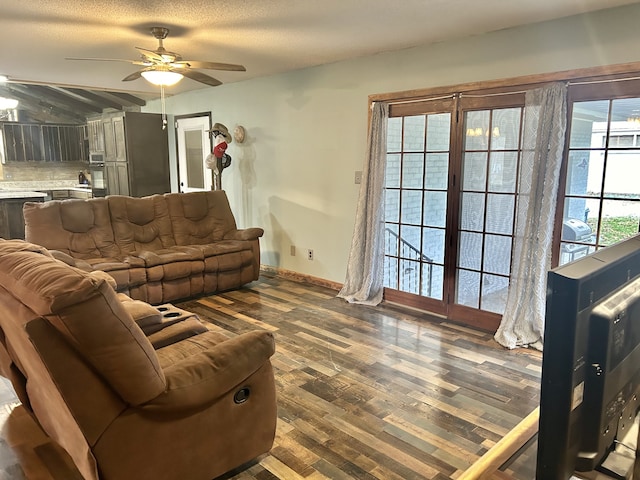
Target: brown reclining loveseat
(158, 248)
(197, 405)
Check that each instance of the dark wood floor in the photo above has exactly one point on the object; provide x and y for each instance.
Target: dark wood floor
(363, 392)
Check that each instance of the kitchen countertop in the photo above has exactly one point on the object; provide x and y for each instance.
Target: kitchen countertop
(42, 185)
(14, 194)
(77, 188)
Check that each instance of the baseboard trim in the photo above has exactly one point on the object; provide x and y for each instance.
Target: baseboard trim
(299, 277)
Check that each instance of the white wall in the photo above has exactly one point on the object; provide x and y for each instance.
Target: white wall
(294, 175)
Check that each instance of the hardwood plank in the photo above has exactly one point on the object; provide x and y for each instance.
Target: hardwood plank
(363, 392)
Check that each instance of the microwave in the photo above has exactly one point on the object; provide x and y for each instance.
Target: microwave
(96, 158)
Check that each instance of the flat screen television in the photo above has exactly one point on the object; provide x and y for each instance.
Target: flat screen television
(591, 361)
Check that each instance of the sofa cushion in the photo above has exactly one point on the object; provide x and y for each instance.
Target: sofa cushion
(200, 217)
(80, 228)
(86, 311)
(140, 223)
(176, 332)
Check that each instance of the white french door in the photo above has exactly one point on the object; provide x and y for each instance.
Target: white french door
(194, 144)
(451, 186)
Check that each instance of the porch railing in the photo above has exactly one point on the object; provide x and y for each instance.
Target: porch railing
(410, 276)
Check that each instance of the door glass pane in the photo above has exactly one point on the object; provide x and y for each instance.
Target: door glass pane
(414, 128)
(505, 129)
(391, 272)
(502, 171)
(620, 220)
(468, 288)
(472, 214)
(392, 239)
(392, 205)
(195, 156)
(433, 245)
(411, 207)
(585, 169)
(412, 170)
(470, 255)
(392, 173)
(438, 132)
(497, 254)
(500, 213)
(620, 180)
(586, 116)
(394, 134)
(474, 175)
(435, 209)
(476, 130)
(584, 209)
(437, 166)
(410, 278)
(494, 293)
(410, 241)
(433, 280)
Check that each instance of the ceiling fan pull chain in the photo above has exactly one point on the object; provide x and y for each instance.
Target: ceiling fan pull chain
(164, 110)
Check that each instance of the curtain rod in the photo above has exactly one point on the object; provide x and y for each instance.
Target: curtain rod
(418, 100)
(471, 95)
(482, 95)
(589, 82)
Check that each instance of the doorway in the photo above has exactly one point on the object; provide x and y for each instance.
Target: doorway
(194, 144)
(451, 187)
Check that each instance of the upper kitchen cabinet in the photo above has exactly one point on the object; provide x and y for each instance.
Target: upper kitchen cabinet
(136, 154)
(95, 135)
(31, 142)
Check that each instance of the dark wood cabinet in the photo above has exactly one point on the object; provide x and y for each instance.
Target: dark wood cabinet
(11, 218)
(95, 135)
(136, 154)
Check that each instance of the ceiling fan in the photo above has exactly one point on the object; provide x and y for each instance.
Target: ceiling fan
(162, 67)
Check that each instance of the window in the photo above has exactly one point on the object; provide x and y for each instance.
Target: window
(452, 187)
(601, 203)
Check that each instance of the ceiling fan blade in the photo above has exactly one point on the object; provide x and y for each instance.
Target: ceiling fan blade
(151, 54)
(211, 65)
(198, 76)
(133, 76)
(134, 62)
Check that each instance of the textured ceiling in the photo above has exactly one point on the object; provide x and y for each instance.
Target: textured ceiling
(267, 36)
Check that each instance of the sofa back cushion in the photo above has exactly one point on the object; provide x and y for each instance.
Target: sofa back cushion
(140, 223)
(199, 218)
(80, 228)
(86, 311)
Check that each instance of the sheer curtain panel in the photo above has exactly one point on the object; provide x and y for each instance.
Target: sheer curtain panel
(364, 277)
(543, 142)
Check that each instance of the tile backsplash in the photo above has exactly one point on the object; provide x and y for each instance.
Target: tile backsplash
(35, 171)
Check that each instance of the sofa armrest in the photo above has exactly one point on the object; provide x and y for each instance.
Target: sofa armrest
(197, 381)
(69, 260)
(244, 234)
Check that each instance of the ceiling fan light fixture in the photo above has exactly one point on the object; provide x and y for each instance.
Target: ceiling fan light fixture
(162, 77)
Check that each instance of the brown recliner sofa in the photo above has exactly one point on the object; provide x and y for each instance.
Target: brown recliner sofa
(158, 248)
(78, 357)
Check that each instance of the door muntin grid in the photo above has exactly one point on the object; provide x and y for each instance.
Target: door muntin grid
(416, 203)
(490, 166)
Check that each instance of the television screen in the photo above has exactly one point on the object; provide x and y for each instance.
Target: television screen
(591, 360)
